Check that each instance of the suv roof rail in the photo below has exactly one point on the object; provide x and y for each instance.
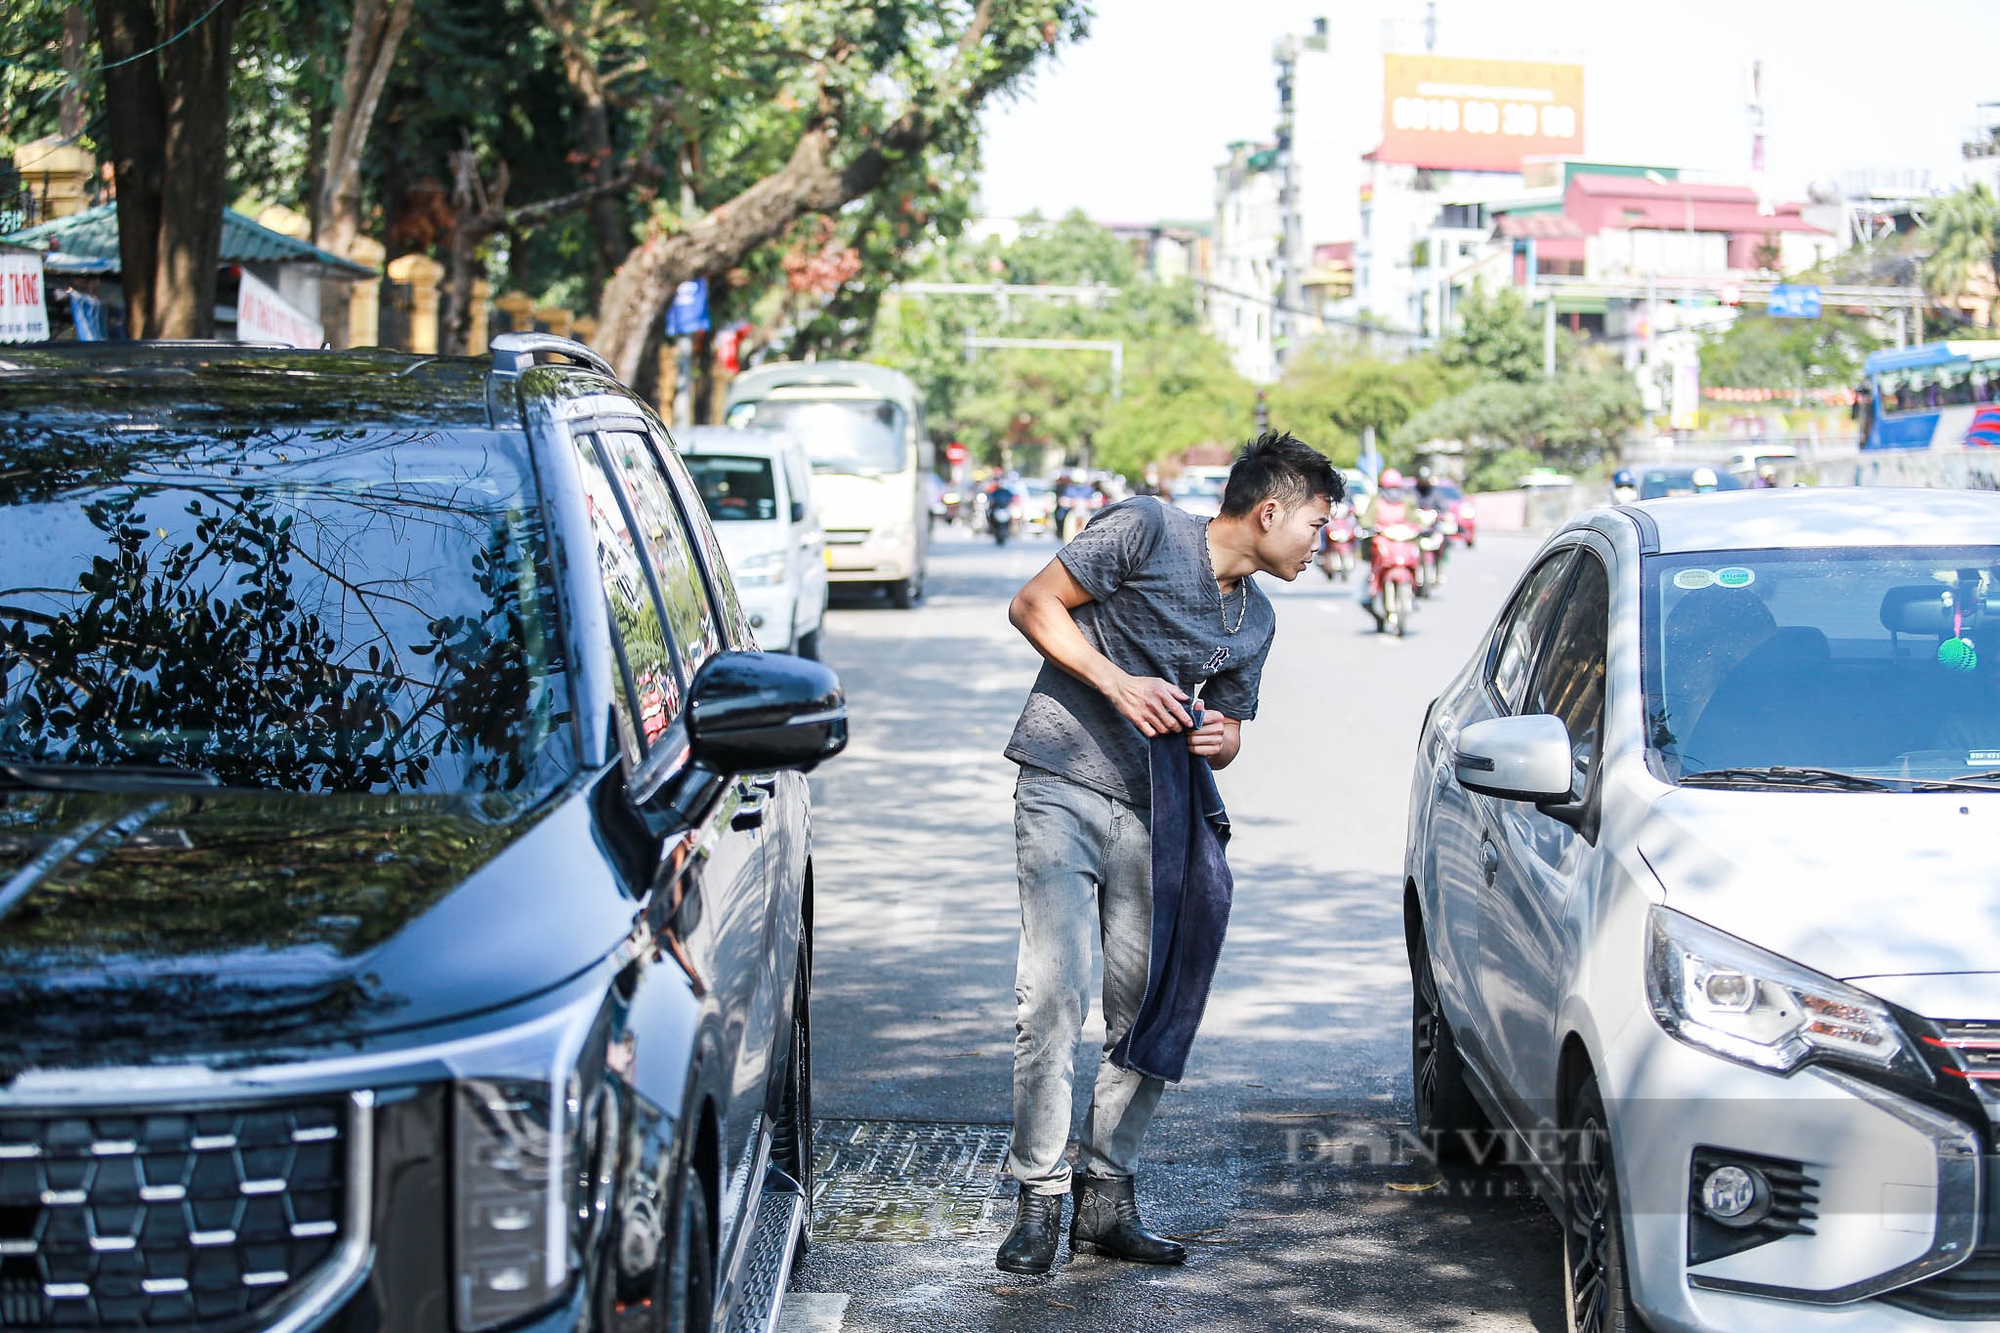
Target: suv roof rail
(516, 352)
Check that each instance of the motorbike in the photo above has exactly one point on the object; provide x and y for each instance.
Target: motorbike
(1336, 547)
(1392, 576)
(1001, 515)
(1436, 530)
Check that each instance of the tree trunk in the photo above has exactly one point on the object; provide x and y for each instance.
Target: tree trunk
(637, 295)
(136, 120)
(372, 40)
(73, 114)
(194, 85)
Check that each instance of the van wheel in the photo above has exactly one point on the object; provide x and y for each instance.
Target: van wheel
(1598, 1293)
(808, 645)
(1444, 1109)
(903, 593)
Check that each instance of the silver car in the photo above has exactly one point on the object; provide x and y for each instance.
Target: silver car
(1702, 901)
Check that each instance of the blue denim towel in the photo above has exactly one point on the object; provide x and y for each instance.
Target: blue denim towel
(1192, 889)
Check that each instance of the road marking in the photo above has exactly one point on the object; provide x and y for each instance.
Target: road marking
(813, 1312)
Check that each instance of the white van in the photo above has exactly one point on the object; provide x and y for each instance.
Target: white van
(863, 428)
(756, 486)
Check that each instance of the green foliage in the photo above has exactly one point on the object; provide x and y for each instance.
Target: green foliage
(1760, 352)
(1966, 231)
(1179, 388)
(1328, 400)
(1567, 422)
(1499, 336)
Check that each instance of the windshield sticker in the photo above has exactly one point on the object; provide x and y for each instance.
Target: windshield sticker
(1735, 577)
(1982, 758)
(1694, 578)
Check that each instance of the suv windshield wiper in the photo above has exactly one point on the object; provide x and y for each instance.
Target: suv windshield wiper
(101, 777)
(1779, 775)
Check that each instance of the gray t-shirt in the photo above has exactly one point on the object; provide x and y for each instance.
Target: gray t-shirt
(1155, 611)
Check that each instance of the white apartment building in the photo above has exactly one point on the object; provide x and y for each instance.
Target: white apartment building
(1243, 283)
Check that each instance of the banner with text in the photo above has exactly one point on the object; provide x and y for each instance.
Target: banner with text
(263, 316)
(1449, 113)
(24, 313)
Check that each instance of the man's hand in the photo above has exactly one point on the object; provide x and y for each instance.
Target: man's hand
(1150, 704)
(1218, 740)
(1212, 736)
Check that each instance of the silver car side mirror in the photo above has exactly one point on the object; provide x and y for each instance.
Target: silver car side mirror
(1516, 758)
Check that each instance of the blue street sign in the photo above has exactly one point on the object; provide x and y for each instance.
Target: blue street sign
(689, 312)
(1790, 300)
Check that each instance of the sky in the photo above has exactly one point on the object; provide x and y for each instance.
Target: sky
(1129, 124)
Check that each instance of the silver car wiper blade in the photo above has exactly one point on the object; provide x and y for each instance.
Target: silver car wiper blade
(101, 777)
(1781, 775)
(1965, 782)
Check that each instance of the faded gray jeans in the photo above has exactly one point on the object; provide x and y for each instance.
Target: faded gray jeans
(1086, 867)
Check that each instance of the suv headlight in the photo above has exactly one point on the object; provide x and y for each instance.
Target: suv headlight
(528, 1152)
(1729, 997)
(761, 570)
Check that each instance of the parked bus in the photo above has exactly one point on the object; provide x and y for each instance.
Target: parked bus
(863, 428)
(1934, 394)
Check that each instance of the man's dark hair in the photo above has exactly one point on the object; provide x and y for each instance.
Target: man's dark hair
(1279, 466)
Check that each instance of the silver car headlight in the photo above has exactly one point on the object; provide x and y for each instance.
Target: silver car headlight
(1731, 998)
(761, 570)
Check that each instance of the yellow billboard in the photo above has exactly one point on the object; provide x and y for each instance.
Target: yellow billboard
(1478, 115)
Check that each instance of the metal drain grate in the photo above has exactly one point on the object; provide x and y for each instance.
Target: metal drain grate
(904, 1179)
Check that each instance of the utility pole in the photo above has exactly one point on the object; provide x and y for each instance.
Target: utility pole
(1291, 295)
(1430, 27)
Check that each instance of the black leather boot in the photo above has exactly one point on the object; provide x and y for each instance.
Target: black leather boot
(1031, 1246)
(1107, 1222)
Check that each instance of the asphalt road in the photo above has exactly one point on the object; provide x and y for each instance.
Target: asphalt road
(1276, 1157)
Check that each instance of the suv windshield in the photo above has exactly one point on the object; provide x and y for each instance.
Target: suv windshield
(853, 435)
(1861, 660)
(315, 610)
(734, 489)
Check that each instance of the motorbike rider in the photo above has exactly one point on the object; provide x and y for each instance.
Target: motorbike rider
(1624, 487)
(1426, 488)
(1389, 507)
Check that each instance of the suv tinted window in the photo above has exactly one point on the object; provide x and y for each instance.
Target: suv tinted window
(638, 630)
(1570, 680)
(347, 609)
(690, 618)
(1523, 630)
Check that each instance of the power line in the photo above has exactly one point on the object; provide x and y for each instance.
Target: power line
(155, 49)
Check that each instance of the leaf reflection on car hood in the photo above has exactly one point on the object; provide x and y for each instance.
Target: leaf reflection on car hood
(161, 927)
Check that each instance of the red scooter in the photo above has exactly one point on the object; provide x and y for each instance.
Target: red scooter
(1392, 576)
(1337, 545)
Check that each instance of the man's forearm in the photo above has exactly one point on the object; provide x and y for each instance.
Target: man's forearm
(1047, 624)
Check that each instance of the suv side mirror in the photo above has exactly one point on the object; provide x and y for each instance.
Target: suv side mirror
(1516, 758)
(753, 712)
(798, 511)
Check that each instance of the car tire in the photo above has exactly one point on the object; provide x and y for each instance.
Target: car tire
(792, 1132)
(1597, 1292)
(808, 644)
(904, 593)
(1443, 1109)
(691, 1275)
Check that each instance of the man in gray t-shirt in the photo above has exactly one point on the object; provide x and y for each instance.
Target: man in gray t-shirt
(1148, 616)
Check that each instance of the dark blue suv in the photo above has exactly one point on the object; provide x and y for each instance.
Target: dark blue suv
(405, 863)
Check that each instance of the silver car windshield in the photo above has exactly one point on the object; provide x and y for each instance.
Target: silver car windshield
(852, 435)
(1878, 662)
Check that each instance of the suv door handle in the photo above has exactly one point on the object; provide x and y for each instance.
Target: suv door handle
(1489, 859)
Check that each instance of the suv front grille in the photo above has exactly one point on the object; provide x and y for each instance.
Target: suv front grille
(1969, 1291)
(206, 1217)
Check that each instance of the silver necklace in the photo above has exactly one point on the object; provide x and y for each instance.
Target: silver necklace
(1242, 608)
